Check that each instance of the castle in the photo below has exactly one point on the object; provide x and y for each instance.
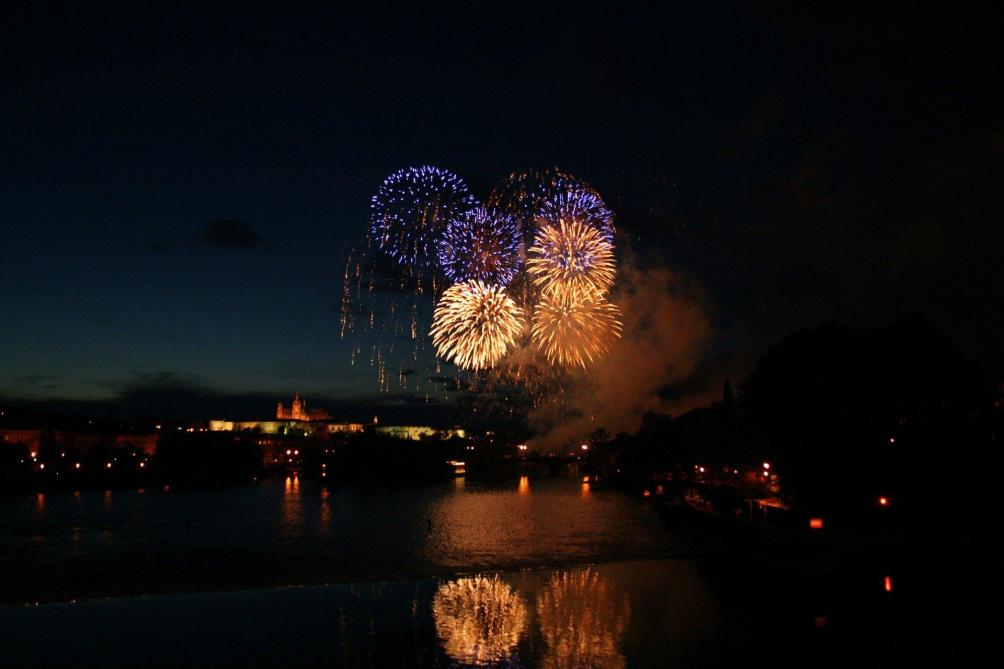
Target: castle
(299, 411)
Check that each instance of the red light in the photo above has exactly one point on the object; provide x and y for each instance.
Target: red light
(887, 584)
(816, 523)
(883, 501)
(646, 494)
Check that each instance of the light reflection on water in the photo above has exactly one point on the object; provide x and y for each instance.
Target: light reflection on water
(291, 516)
(479, 620)
(660, 613)
(289, 531)
(649, 613)
(581, 617)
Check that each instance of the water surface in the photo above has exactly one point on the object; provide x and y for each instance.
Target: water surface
(66, 546)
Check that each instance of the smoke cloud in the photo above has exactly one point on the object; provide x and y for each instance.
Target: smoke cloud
(665, 338)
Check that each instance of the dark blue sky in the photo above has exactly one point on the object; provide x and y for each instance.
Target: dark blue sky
(803, 166)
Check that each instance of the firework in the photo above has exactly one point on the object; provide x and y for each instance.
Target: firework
(571, 257)
(577, 202)
(481, 244)
(474, 324)
(479, 620)
(531, 196)
(411, 208)
(573, 328)
(582, 618)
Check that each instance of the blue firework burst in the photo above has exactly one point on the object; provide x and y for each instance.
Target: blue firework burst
(578, 202)
(536, 197)
(412, 207)
(481, 244)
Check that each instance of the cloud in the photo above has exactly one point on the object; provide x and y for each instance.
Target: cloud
(172, 395)
(230, 234)
(39, 382)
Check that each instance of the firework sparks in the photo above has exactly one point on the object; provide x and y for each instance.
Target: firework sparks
(573, 328)
(481, 244)
(411, 208)
(571, 257)
(479, 620)
(540, 250)
(474, 324)
(577, 202)
(524, 194)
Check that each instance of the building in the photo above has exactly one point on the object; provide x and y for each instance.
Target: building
(32, 440)
(418, 432)
(301, 428)
(299, 411)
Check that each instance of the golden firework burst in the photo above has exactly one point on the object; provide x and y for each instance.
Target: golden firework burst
(575, 327)
(571, 256)
(474, 324)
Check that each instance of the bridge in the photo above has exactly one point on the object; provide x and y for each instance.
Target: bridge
(552, 461)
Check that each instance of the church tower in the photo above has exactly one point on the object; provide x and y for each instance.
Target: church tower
(299, 408)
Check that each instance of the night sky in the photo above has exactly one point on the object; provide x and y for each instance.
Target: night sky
(178, 190)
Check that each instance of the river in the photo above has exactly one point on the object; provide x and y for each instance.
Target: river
(526, 572)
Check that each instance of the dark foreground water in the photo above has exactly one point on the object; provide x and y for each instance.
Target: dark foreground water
(662, 613)
(547, 573)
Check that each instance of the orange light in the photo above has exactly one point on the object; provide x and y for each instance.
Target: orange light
(883, 501)
(646, 494)
(585, 447)
(816, 523)
(887, 584)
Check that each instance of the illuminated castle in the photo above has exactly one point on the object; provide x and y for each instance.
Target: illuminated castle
(299, 411)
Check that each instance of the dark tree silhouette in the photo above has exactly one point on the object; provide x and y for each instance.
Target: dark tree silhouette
(849, 415)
